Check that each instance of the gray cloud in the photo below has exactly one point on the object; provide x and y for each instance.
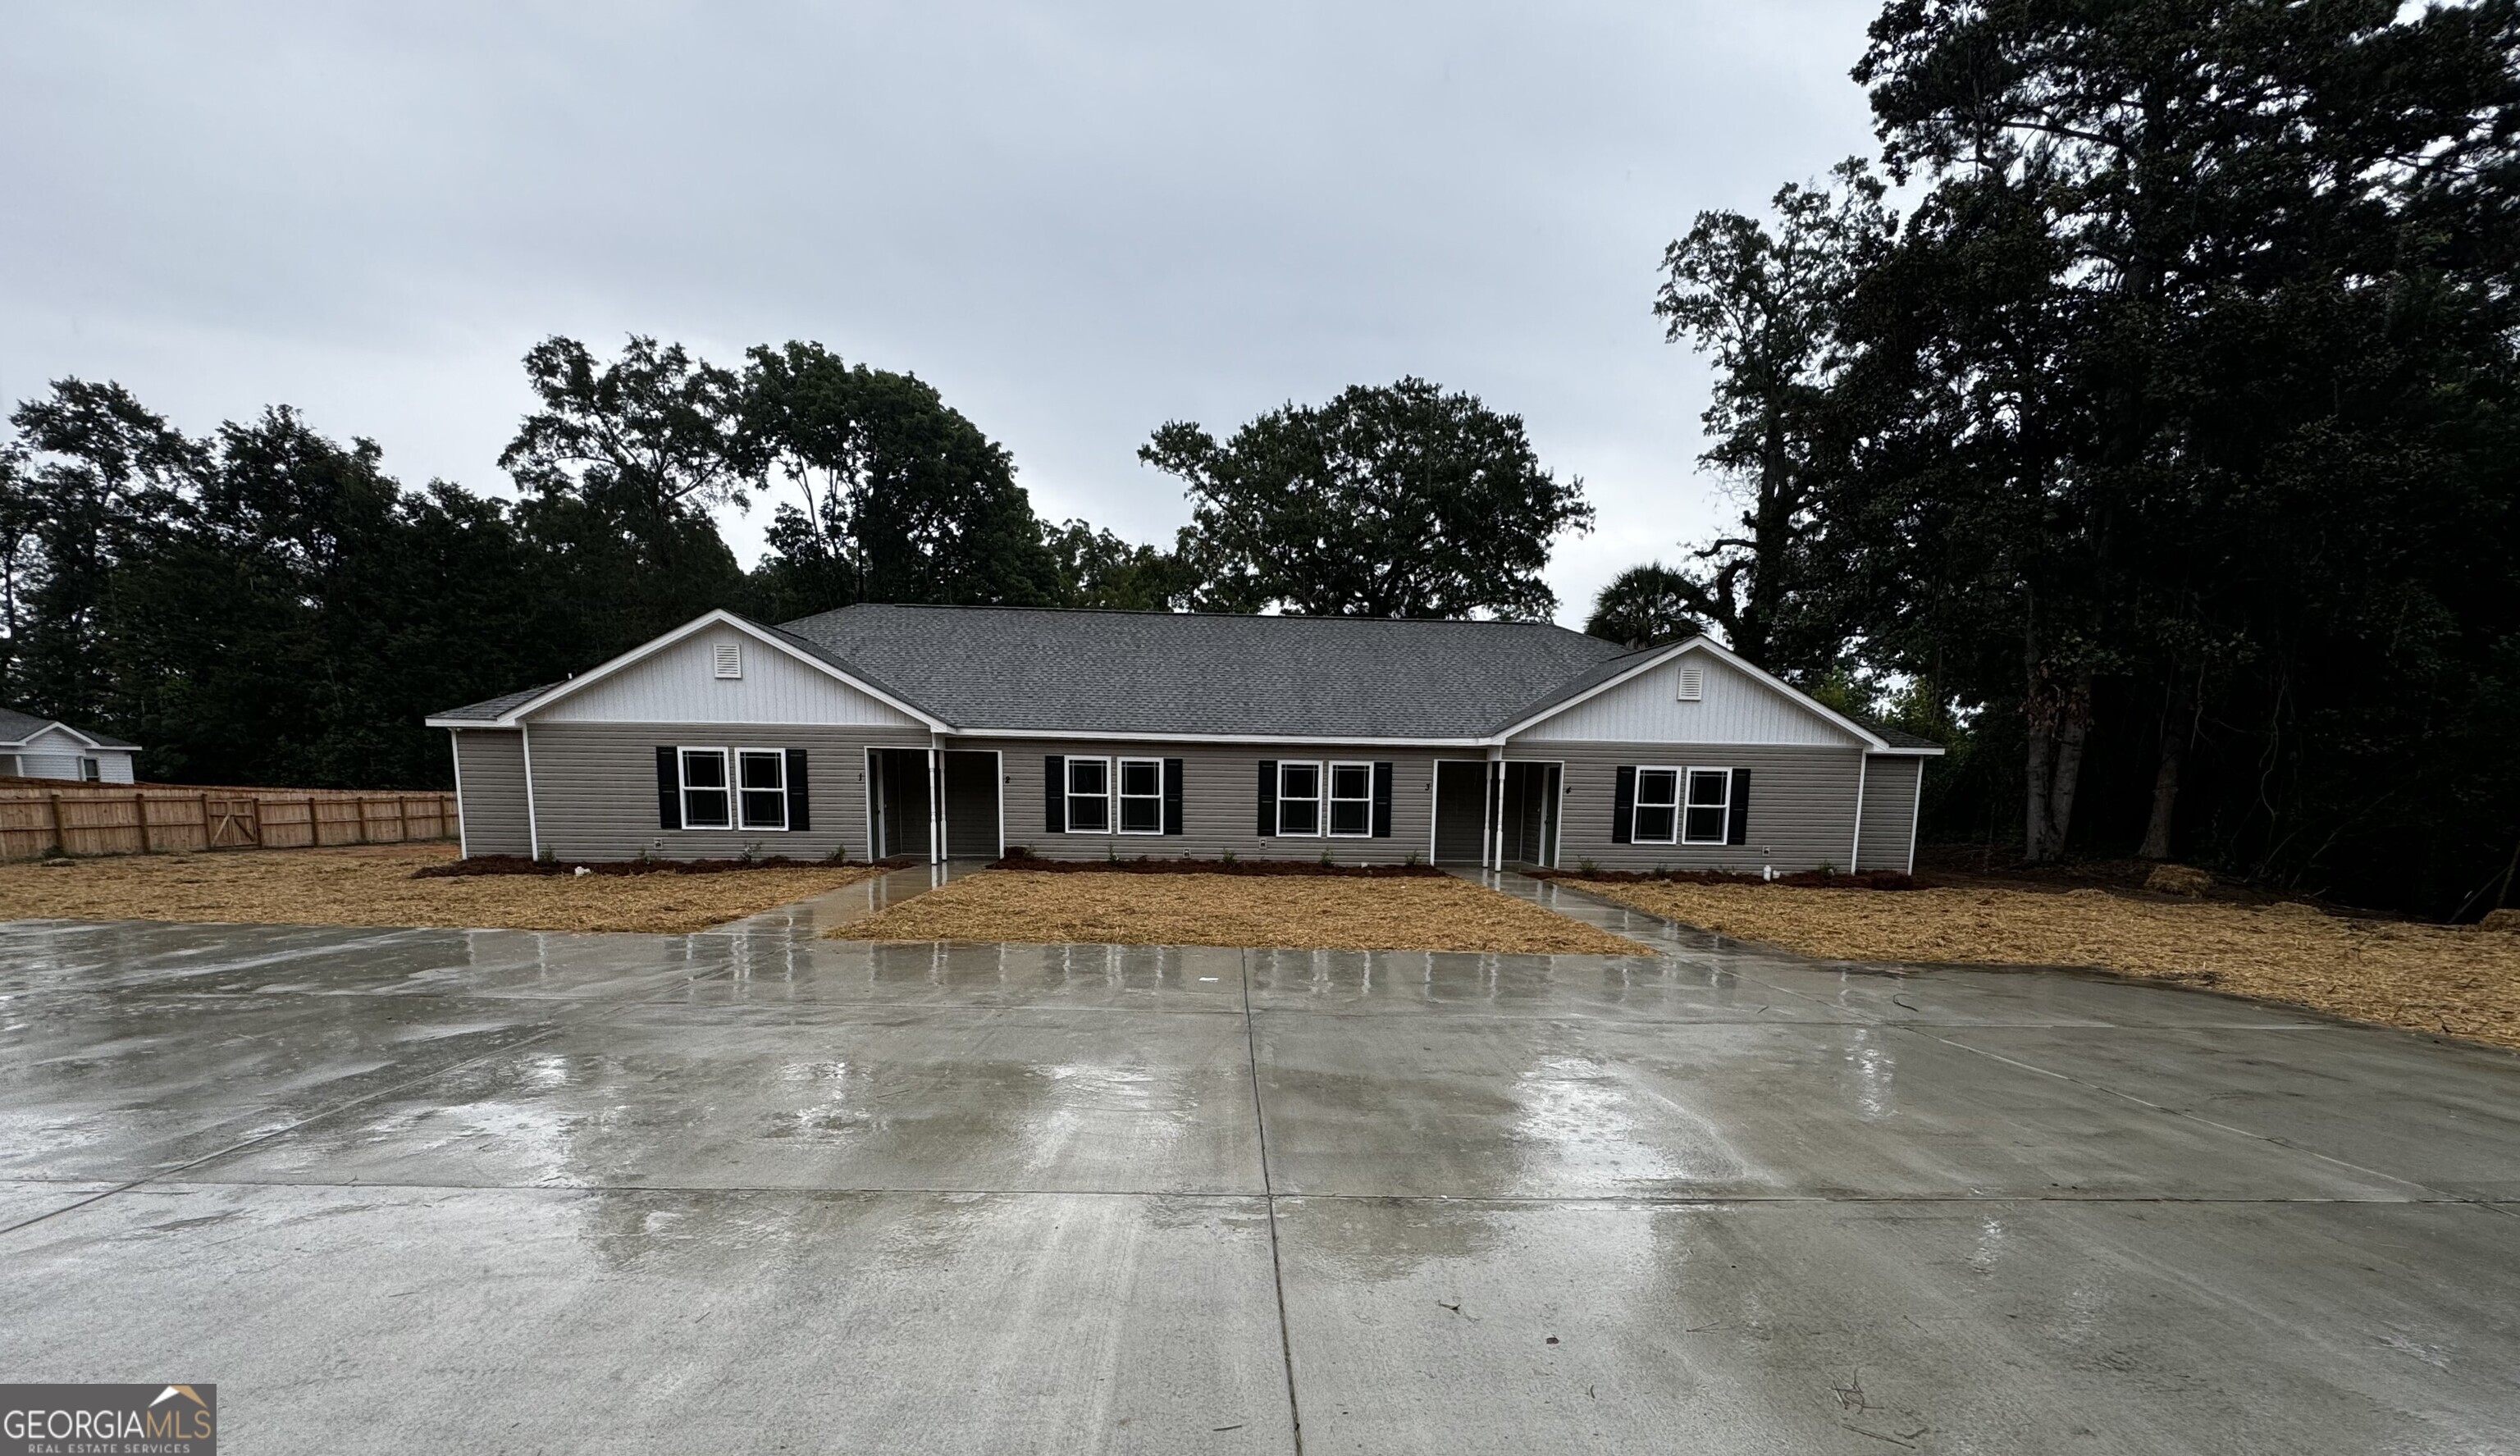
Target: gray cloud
(1077, 221)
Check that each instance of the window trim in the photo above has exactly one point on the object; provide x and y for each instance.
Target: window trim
(1723, 808)
(1069, 796)
(683, 784)
(1637, 806)
(744, 821)
(1331, 799)
(1319, 799)
(1120, 797)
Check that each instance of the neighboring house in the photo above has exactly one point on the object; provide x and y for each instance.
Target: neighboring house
(931, 732)
(36, 748)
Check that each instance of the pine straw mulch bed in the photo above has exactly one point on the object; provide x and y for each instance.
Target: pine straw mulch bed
(1433, 912)
(389, 885)
(1145, 865)
(2422, 977)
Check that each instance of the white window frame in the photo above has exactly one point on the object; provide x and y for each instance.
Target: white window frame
(1120, 795)
(777, 756)
(1318, 798)
(1723, 808)
(1330, 800)
(1111, 786)
(91, 770)
(1637, 806)
(684, 790)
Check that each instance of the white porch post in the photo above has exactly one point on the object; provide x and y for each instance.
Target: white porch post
(1496, 809)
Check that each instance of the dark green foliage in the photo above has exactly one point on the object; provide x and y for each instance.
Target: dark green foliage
(620, 468)
(1766, 306)
(1388, 501)
(1647, 605)
(904, 499)
(1096, 569)
(2170, 447)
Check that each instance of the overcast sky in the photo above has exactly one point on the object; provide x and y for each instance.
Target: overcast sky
(1077, 221)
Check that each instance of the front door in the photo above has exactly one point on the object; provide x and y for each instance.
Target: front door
(1460, 811)
(972, 819)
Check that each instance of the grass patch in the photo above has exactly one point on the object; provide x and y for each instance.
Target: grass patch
(387, 885)
(2434, 979)
(1288, 911)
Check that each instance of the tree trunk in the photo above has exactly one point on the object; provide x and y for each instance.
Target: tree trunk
(2073, 729)
(2165, 779)
(2043, 754)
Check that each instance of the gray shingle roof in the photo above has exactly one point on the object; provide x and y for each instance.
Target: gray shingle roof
(984, 669)
(489, 710)
(1900, 737)
(17, 727)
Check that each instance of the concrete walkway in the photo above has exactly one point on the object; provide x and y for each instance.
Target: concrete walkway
(751, 1191)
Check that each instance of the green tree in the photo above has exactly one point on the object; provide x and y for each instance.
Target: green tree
(1397, 500)
(1764, 304)
(902, 498)
(1096, 569)
(621, 467)
(1647, 605)
(2184, 419)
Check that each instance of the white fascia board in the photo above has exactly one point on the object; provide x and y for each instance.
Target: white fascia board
(1088, 734)
(72, 732)
(1896, 751)
(1872, 742)
(515, 716)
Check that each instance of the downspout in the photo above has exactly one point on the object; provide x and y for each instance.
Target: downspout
(533, 825)
(455, 754)
(1855, 850)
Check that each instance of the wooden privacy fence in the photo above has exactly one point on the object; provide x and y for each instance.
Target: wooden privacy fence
(38, 817)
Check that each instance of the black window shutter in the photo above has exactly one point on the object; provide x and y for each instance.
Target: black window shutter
(1738, 831)
(800, 803)
(1054, 794)
(1622, 821)
(1268, 798)
(669, 791)
(1172, 796)
(1382, 801)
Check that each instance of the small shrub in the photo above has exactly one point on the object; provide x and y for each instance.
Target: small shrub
(1413, 861)
(1327, 861)
(1226, 857)
(1588, 865)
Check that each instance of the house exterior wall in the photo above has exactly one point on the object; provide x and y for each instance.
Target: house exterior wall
(595, 788)
(1220, 800)
(1737, 709)
(680, 685)
(490, 786)
(1889, 812)
(1802, 804)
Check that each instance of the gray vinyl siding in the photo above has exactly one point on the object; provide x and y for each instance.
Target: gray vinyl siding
(490, 782)
(1889, 812)
(1802, 804)
(1220, 802)
(595, 788)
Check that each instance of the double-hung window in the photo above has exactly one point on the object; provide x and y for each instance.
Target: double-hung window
(762, 799)
(1141, 795)
(1299, 799)
(1657, 807)
(1089, 795)
(707, 802)
(1710, 804)
(1352, 800)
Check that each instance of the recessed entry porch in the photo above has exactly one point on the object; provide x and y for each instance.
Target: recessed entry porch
(1498, 814)
(922, 799)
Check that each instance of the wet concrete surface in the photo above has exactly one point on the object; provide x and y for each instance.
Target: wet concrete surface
(753, 1191)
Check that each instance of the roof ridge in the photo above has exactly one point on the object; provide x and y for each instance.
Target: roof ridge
(1153, 612)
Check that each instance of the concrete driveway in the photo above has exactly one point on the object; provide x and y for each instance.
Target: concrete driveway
(441, 1191)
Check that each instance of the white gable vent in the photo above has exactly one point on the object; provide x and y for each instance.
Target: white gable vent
(1692, 685)
(729, 659)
